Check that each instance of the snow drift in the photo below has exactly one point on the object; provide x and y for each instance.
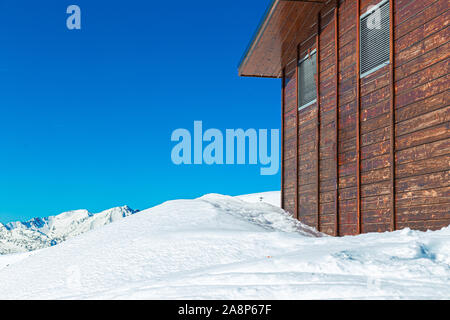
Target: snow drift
(219, 247)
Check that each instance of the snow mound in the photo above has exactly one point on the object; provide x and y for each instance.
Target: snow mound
(219, 247)
(262, 214)
(271, 197)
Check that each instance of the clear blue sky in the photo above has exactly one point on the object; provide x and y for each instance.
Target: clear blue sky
(86, 116)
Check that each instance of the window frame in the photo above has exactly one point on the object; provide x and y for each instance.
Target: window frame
(308, 56)
(361, 17)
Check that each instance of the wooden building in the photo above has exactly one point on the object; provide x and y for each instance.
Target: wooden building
(365, 110)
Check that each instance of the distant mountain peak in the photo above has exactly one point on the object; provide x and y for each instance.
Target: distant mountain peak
(39, 233)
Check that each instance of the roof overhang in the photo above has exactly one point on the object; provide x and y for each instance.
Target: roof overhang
(285, 24)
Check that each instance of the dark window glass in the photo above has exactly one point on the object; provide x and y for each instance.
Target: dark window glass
(307, 81)
(375, 39)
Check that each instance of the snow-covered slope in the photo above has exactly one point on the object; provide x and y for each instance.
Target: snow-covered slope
(219, 247)
(271, 197)
(40, 233)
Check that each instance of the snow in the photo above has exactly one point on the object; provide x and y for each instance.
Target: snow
(271, 197)
(16, 237)
(221, 247)
(7, 260)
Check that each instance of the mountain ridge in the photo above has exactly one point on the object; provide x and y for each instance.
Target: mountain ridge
(39, 233)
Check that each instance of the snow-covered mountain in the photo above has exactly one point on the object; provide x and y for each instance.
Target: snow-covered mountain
(220, 247)
(40, 233)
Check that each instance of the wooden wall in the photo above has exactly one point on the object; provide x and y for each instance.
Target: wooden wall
(290, 142)
(347, 158)
(420, 110)
(327, 118)
(422, 113)
(307, 154)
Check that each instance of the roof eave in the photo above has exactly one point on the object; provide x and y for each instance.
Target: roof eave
(271, 45)
(256, 36)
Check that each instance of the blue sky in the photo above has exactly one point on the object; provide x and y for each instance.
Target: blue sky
(86, 116)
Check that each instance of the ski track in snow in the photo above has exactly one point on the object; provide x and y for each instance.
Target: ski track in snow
(220, 247)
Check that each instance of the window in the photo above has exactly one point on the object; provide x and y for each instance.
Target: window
(375, 38)
(307, 94)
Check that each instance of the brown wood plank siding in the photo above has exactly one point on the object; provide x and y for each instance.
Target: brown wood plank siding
(327, 121)
(347, 119)
(393, 208)
(402, 184)
(376, 194)
(283, 85)
(358, 121)
(307, 151)
(336, 120)
(290, 138)
(297, 208)
(318, 136)
(422, 114)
